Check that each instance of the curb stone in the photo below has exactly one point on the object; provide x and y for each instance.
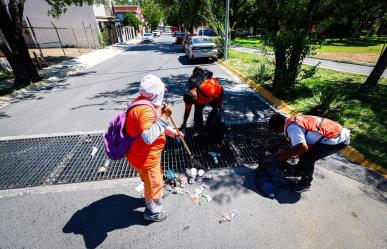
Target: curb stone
(349, 152)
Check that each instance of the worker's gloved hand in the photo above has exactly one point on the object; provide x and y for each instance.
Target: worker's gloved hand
(166, 111)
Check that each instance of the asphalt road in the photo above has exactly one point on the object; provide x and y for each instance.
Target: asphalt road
(89, 101)
(338, 212)
(338, 66)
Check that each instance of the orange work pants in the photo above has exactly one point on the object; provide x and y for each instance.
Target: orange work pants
(153, 181)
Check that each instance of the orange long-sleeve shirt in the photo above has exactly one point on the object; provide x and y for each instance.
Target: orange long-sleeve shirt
(142, 155)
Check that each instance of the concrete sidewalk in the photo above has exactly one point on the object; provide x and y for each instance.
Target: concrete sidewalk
(329, 64)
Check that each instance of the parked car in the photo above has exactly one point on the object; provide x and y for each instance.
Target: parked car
(207, 32)
(148, 37)
(201, 47)
(156, 33)
(179, 37)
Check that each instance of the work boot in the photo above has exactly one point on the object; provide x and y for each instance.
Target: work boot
(302, 186)
(157, 217)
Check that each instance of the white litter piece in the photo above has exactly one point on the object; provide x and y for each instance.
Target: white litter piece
(208, 197)
(140, 187)
(104, 168)
(94, 151)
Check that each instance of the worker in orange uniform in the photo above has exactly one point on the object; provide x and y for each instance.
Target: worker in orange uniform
(145, 153)
(208, 92)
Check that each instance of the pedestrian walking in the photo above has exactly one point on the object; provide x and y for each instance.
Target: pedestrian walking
(145, 152)
(312, 138)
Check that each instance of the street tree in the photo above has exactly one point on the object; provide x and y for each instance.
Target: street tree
(377, 72)
(289, 25)
(152, 12)
(131, 20)
(12, 42)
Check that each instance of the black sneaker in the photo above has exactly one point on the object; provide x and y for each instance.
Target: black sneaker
(301, 186)
(158, 217)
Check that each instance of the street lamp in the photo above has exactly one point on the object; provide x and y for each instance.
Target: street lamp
(226, 29)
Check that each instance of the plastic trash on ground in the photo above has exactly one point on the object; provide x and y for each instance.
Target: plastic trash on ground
(104, 168)
(229, 215)
(195, 198)
(208, 197)
(94, 151)
(183, 181)
(140, 187)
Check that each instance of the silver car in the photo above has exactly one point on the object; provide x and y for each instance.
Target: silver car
(201, 47)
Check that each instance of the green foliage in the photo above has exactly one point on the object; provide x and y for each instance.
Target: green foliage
(152, 12)
(360, 111)
(308, 72)
(6, 75)
(103, 38)
(325, 102)
(261, 71)
(131, 20)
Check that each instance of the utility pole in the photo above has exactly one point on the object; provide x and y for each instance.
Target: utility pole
(226, 29)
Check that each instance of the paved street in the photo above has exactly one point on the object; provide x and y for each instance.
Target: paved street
(338, 212)
(338, 66)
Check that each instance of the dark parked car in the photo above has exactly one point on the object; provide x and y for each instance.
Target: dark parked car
(179, 37)
(207, 32)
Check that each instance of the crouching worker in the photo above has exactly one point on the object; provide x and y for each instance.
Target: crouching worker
(208, 92)
(312, 138)
(145, 152)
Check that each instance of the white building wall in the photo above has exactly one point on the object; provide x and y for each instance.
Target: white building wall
(37, 12)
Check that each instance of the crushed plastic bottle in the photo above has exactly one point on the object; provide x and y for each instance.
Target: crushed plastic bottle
(104, 168)
(170, 175)
(229, 215)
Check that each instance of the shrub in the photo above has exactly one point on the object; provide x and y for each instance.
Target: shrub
(325, 102)
(103, 38)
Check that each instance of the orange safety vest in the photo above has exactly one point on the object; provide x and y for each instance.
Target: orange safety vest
(326, 127)
(208, 90)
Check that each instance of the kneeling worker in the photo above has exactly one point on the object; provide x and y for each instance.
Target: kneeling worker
(312, 138)
(209, 92)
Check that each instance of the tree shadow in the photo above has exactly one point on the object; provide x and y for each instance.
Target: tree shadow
(95, 221)
(156, 47)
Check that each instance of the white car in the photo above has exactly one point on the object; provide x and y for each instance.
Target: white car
(148, 37)
(201, 47)
(156, 33)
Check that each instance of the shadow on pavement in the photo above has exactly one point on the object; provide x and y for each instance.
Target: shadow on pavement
(243, 181)
(95, 221)
(183, 59)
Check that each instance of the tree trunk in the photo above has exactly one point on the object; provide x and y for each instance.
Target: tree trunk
(17, 51)
(377, 72)
(280, 78)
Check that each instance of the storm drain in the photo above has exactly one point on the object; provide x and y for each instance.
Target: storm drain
(68, 159)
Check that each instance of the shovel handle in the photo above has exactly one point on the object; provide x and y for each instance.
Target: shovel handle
(181, 138)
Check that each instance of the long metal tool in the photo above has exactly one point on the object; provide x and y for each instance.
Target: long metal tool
(195, 163)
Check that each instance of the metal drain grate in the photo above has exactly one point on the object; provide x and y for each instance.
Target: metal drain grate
(67, 159)
(252, 140)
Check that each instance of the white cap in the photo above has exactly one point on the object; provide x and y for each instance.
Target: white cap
(152, 88)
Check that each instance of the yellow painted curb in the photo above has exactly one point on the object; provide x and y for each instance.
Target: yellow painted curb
(349, 152)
